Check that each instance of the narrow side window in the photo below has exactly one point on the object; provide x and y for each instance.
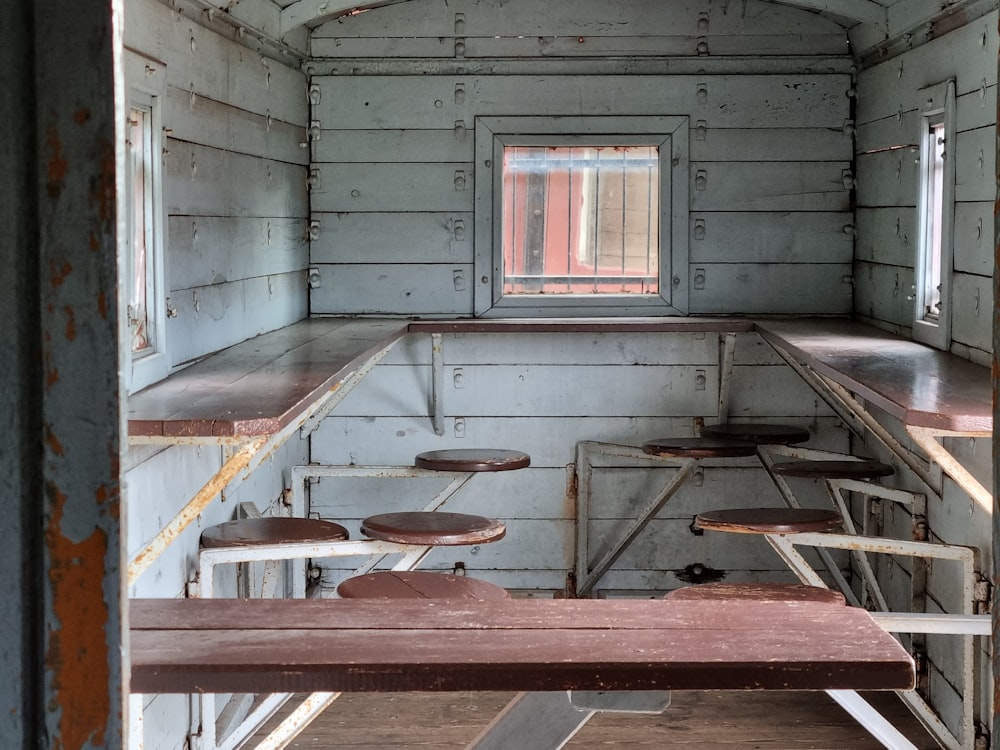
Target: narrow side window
(935, 216)
(141, 264)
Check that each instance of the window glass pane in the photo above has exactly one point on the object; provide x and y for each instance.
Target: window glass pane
(581, 220)
(139, 145)
(934, 212)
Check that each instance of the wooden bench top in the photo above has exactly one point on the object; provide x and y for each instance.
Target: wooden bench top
(304, 645)
(261, 385)
(920, 386)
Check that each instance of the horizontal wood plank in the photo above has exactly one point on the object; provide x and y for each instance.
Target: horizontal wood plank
(333, 645)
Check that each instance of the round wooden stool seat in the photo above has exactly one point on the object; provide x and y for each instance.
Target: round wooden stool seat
(415, 584)
(834, 469)
(758, 434)
(433, 528)
(248, 532)
(699, 447)
(758, 592)
(769, 520)
(473, 459)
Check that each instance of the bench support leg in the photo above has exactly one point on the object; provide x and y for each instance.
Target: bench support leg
(871, 720)
(548, 720)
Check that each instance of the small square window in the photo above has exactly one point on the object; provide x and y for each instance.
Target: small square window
(581, 216)
(935, 217)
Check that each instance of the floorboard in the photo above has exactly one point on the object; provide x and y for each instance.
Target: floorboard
(694, 721)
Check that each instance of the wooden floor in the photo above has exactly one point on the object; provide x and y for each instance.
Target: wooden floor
(694, 721)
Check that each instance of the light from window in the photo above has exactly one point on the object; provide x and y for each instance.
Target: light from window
(581, 220)
(139, 219)
(142, 292)
(935, 215)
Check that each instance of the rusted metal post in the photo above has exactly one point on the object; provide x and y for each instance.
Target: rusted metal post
(60, 541)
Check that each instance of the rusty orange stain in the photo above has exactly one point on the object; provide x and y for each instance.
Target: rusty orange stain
(59, 274)
(81, 116)
(53, 442)
(52, 377)
(77, 655)
(104, 193)
(58, 166)
(95, 242)
(102, 304)
(70, 322)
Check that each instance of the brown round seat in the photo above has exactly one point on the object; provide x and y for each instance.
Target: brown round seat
(758, 592)
(246, 532)
(699, 447)
(758, 434)
(769, 520)
(415, 584)
(834, 469)
(433, 528)
(473, 459)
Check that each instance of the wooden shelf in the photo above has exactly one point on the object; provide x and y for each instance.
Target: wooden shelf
(920, 386)
(261, 385)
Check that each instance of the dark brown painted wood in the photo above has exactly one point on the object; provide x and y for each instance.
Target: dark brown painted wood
(473, 459)
(699, 447)
(437, 528)
(834, 469)
(418, 584)
(769, 520)
(259, 386)
(191, 645)
(916, 384)
(758, 434)
(248, 532)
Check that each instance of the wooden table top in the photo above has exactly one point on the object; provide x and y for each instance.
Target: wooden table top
(920, 386)
(234, 645)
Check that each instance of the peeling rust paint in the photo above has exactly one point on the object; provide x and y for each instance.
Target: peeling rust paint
(52, 442)
(104, 194)
(57, 164)
(77, 657)
(70, 323)
(58, 275)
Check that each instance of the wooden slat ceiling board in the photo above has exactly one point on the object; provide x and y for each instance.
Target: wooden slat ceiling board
(315, 12)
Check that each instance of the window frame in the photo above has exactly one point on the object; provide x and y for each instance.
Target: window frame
(144, 88)
(669, 133)
(937, 108)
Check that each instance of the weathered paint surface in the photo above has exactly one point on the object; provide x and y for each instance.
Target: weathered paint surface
(80, 652)
(995, 577)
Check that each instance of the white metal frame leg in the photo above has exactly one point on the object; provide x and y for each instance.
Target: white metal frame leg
(873, 722)
(548, 720)
(237, 731)
(966, 557)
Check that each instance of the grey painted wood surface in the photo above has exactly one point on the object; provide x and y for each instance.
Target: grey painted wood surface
(63, 619)
(888, 182)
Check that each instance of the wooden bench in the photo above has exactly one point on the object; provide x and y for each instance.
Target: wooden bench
(236, 645)
(932, 393)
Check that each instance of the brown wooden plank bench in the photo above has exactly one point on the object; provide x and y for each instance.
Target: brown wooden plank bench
(237, 645)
